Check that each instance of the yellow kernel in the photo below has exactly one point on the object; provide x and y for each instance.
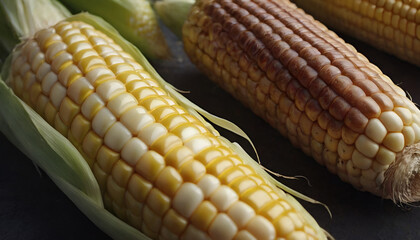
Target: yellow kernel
(106, 158)
(150, 165)
(203, 215)
(68, 110)
(174, 222)
(91, 144)
(168, 181)
(139, 187)
(80, 126)
(158, 202)
(121, 172)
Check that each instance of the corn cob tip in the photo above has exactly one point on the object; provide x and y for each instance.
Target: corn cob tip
(402, 179)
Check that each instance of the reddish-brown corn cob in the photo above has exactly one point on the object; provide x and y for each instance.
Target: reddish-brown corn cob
(313, 87)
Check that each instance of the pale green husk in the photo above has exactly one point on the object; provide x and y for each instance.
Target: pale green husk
(174, 13)
(26, 17)
(134, 19)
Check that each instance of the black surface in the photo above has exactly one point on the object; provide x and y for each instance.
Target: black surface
(32, 207)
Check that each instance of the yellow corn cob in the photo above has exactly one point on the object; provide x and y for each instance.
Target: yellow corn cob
(158, 167)
(390, 25)
(313, 87)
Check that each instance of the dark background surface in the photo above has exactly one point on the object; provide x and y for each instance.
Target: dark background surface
(32, 207)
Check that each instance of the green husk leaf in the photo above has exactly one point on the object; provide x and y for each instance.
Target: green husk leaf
(174, 13)
(134, 19)
(26, 17)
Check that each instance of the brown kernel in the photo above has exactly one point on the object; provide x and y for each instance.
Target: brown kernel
(339, 108)
(313, 109)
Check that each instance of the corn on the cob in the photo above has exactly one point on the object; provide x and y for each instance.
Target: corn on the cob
(158, 167)
(313, 87)
(392, 26)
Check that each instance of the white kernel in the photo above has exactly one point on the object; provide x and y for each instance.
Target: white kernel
(75, 38)
(91, 104)
(97, 73)
(58, 92)
(224, 197)
(66, 73)
(385, 156)
(120, 68)
(261, 228)
(344, 150)
(24, 69)
(360, 161)
(366, 146)
(285, 225)
(297, 235)
(192, 233)
(394, 141)
(222, 227)
(78, 89)
(59, 60)
(79, 46)
(102, 121)
(49, 80)
(241, 213)
(352, 170)
(409, 135)
(197, 144)
(152, 132)
(416, 129)
(375, 130)
(405, 115)
(117, 136)
(244, 235)
(43, 35)
(187, 199)
(137, 118)
(109, 89)
(391, 121)
(133, 151)
(37, 61)
(53, 49)
(121, 103)
(208, 184)
(43, 70)
(188, 132)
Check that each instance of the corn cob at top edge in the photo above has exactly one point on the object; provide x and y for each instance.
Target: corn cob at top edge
(313, 87)
(134, 19)
(158, 167)
(392, 26)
